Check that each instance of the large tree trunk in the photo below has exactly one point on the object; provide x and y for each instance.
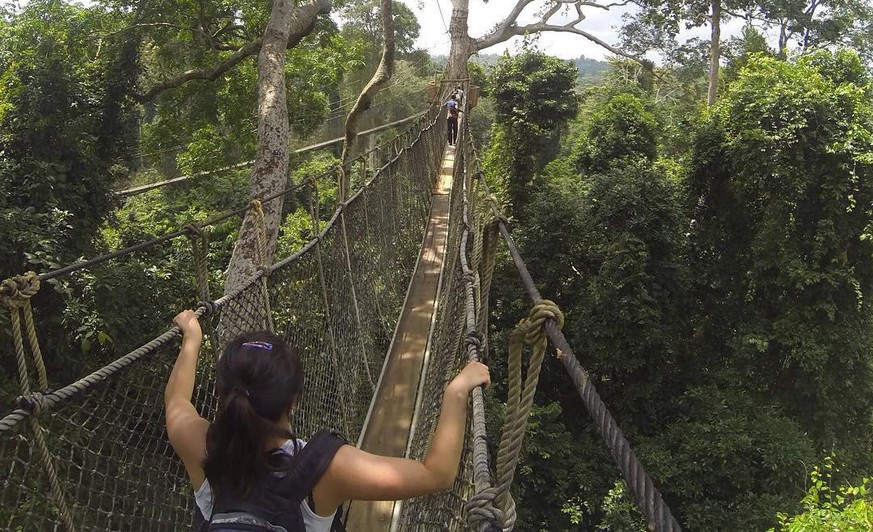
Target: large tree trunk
(462, 44)
(270, 172)
(714, 51)
(382, 75)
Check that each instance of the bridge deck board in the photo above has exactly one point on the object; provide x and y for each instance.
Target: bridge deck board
(387, 432)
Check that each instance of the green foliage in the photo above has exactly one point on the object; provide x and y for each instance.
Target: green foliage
(846, 508)
(719, 299)
(620, 133)
(363, 23)
(784, 176)
(534, 99)
(65, 132)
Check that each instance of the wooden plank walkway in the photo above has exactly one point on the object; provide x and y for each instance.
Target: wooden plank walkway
(387, 432)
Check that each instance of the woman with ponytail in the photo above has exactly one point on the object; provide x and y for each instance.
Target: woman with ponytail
(247, 469)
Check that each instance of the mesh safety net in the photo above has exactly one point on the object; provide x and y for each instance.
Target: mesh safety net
(93, 455)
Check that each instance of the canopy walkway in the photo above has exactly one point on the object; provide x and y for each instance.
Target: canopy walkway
(380, 332)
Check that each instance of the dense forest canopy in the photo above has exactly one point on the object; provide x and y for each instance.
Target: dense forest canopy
(705, 220)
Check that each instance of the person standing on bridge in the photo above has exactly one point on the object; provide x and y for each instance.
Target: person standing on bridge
(248, 470)
(459, 93)
(453, 110)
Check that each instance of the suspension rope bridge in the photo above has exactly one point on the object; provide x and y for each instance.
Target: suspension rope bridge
(385, 303)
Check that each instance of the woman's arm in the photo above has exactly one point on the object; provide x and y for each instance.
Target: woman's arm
(185, 428)
(356, 474)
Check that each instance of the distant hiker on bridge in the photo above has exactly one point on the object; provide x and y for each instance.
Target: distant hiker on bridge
(453, 110)
(459, 93)
(250, 472)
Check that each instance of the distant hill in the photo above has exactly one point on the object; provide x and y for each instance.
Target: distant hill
(590, 70)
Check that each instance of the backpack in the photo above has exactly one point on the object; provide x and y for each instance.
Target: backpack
(278, 504)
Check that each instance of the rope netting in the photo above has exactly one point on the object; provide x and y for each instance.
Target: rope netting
(93, 455)
(442, 511)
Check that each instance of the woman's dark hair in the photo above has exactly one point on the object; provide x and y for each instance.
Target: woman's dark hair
(258, 380)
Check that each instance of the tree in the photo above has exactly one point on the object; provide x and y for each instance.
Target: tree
(816, 24)
(363, 22)
(534, 99)
(288, 23)
(782, 240)
(67, 128)
(464, 46)
(664, 18)
(617, 135)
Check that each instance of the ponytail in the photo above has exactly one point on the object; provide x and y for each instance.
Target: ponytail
(257, 379)
(236, 445)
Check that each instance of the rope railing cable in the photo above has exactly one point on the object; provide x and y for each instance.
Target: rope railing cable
(245, 164)
(656, 512)
(60, 272)
(480, 510)
(41, 401)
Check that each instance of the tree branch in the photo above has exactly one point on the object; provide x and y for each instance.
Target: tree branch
(508, 28)
(220, 68)
(382, 75)
(307, 13)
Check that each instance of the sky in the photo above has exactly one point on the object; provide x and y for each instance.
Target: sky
(434, 15)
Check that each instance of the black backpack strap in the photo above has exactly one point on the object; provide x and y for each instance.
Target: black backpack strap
(310, 465)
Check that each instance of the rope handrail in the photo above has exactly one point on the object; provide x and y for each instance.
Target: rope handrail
(42, 401)
(245, 164)
(648, 498)
(60, 272)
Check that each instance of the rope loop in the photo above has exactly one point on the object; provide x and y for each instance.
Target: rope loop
(532, 328)
(265, 271)
(16, 291)
(33, 403)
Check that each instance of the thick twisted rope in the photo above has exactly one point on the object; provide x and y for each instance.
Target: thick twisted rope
(263, 259)
(481, 514)
(15, 294)
(529, 331)
(648, 498)
(200, 253)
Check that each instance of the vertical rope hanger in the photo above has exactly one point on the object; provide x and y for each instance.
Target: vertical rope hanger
(15, 294)
(200, 253)
(263, 260)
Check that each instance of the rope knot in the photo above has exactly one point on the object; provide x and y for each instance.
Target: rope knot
(532, 328)
(480, 511)
(257, 206)
(265, 270)
(474, 339)
(33, 403)
(16, 291)
(194, 231)
(209, 308)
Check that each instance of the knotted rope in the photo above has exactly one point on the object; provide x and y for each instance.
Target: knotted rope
(263, 260)
(200, 254)
(15, 294)
(530, 331)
